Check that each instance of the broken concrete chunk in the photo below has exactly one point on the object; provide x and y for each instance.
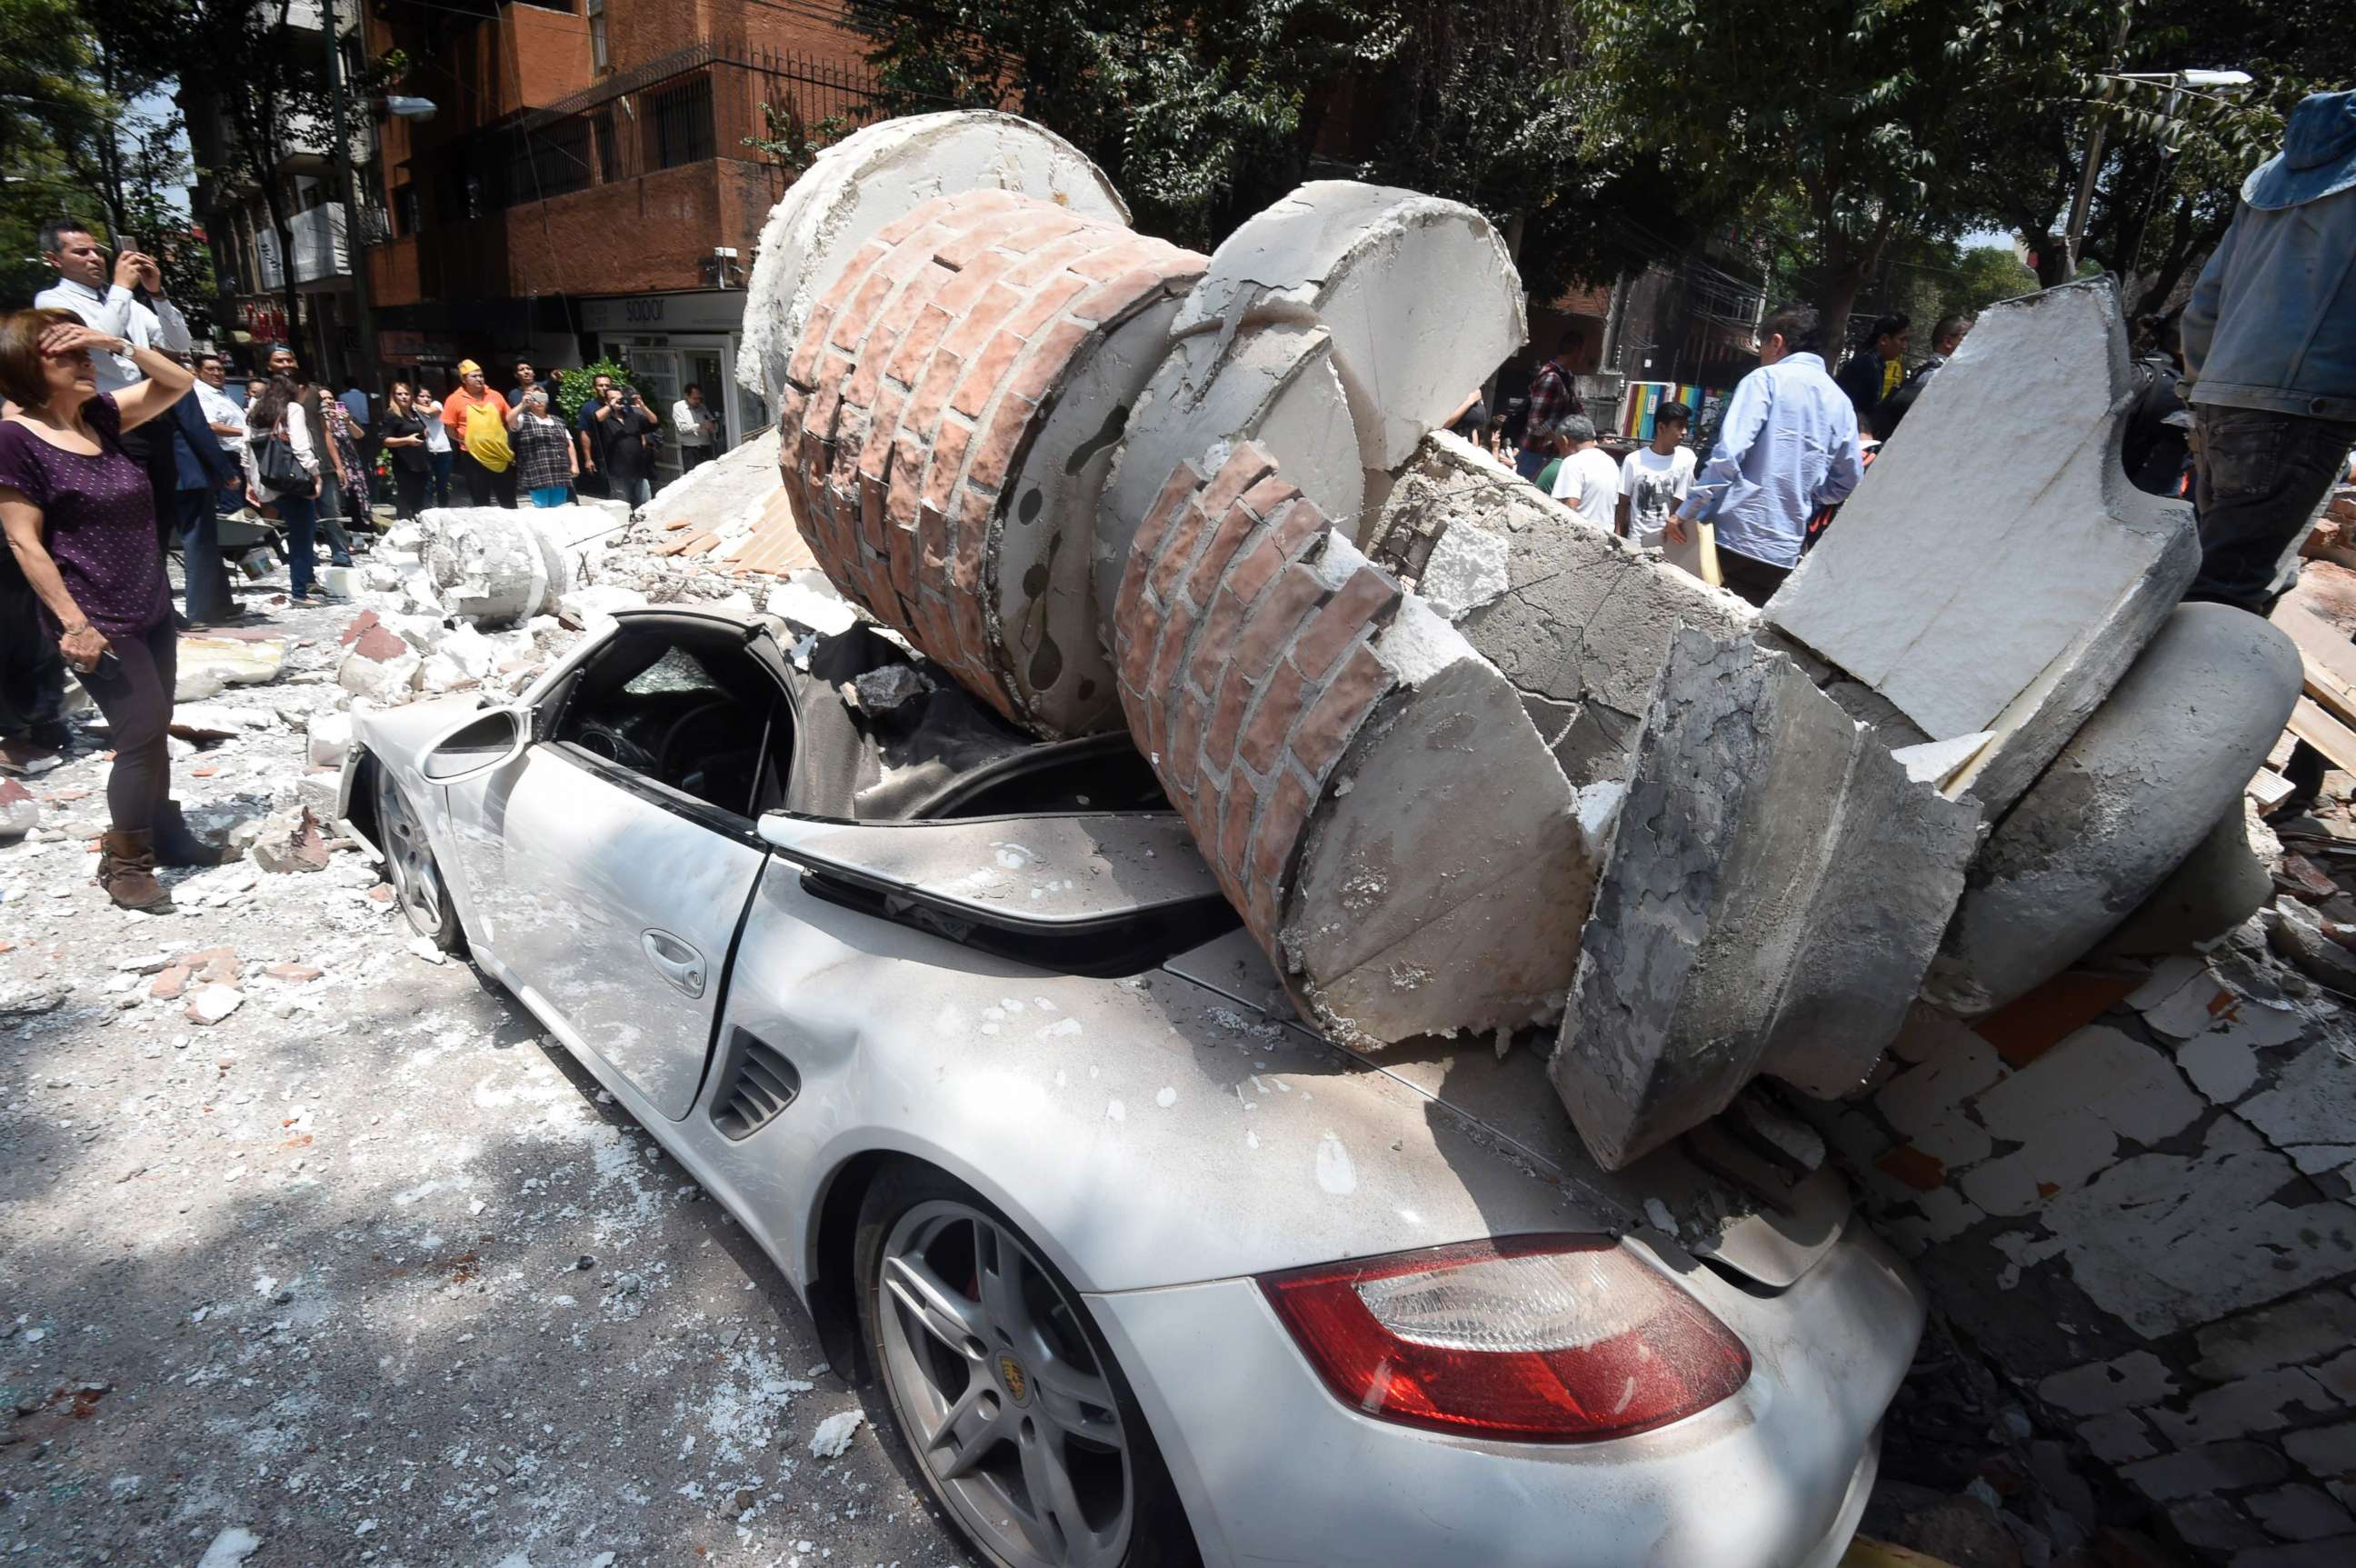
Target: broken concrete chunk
(2216, 887)
(1745, 917)
(1583, 624)
(20, 810)
(1273, 386)
(2015, 601)
(2136, 789)
(725, 494)
(290, 841)
(329, 736)
(1419, 296)
(209, 665)
(876, 175)
(497, 566)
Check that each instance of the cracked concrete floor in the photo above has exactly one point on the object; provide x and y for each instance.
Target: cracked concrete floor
(368, 1269)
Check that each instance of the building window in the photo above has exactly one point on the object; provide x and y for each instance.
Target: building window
(682, 124)
(405, 212)
(598, 57)
(550, 162)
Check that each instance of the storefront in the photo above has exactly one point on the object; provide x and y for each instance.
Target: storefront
(671, 341)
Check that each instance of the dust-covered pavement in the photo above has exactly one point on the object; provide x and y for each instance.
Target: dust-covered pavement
(366, 1271)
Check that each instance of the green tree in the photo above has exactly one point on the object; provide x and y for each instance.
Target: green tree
(1984, 274)
(1856, 110)
(1203, 114)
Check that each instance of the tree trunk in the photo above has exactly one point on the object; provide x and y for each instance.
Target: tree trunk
(1836, 291)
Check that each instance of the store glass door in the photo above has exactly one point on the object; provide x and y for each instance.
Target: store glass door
(656, 373)
(702, 369)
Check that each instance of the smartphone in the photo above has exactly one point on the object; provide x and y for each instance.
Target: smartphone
(108, 668)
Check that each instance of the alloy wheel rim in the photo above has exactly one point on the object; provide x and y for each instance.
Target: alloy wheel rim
(416, 885)
(999, 1393)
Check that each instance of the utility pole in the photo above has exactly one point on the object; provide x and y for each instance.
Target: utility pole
(347, 189)
(2076, 230)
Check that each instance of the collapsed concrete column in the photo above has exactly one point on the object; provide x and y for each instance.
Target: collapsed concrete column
(1418, 297)
(1364, 786)
(1774, 889)
(1997, 572)
(945, 413)
(877, 176)
(498, 565)
(1578, 620)
(2132, 793)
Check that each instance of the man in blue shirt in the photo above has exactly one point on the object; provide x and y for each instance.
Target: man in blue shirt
(1787, 447)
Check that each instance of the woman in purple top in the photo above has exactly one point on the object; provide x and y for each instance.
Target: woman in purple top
(81, 521)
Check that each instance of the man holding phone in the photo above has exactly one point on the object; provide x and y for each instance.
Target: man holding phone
(626, 423)
(125, 300)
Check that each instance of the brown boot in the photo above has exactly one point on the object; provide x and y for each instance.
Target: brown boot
(127, 869)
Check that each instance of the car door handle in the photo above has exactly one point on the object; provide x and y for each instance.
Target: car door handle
(679, 963)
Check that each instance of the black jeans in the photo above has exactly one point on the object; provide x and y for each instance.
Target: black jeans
(32, 671)
(138, 703)
(1750, 580)
(408, 491)
(483, 487)
(209, 597)
(2262, 477)
(688, 456)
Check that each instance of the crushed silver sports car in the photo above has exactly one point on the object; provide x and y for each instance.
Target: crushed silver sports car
(959, 1024)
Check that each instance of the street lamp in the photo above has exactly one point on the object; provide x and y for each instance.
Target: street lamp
(2226, 84)
(410, 108)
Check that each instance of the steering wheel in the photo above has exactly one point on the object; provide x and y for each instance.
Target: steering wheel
(679, 727)
(615, 746)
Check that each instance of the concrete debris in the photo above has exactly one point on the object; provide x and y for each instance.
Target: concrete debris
(497, 566)
(328, 738)
(20, 810)
(2012, 604)
(1582, 623)
(208, 1004)
(1772, 896)
(2216, 887)
(2130, 796)
(1419, 296)
(725, 494)
(833, 1438)
(290, 841)
(886, 690)
(209, 665)
(872, 178)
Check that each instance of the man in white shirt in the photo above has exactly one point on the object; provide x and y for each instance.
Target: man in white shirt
(82, 287)
(696, 425)
(1654, 478)
(222, 414)
(1589, 480)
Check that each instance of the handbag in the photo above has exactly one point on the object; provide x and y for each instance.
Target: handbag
(276, 465)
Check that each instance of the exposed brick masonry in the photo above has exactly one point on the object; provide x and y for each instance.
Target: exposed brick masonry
(918, 384)
(1243, 674)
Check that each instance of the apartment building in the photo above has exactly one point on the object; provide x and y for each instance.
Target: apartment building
(251, 262)
(587, 184)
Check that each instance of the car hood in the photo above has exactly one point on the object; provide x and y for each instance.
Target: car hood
(1751, 1191)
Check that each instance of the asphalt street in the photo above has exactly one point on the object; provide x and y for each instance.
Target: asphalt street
(367, 1269)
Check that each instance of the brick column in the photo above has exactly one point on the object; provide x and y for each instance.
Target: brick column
(916, 390)
(1243, 672)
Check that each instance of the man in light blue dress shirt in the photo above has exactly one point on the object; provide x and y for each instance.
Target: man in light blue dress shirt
(1787, 445)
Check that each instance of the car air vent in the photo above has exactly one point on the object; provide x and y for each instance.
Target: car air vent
(757, 1083)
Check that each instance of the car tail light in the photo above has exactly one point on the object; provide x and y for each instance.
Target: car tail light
(1529, 1339)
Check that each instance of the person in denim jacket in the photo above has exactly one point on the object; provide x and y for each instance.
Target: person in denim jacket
(2270, 346)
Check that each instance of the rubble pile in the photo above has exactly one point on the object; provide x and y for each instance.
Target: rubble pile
(1463, 763)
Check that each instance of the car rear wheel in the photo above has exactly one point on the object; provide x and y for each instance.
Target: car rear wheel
(417, 884)
(1006, 1398)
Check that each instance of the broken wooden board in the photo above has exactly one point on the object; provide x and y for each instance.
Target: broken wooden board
(2315, 614)
(2320, 730)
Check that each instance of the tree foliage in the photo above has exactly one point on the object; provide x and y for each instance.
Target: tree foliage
(1203, 114)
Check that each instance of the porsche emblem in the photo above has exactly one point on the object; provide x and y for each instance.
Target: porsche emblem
(1010, 1372)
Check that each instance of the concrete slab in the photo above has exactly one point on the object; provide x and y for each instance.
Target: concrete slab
(2130, 797)
(879, 174)
(1582, 621)
(1774, 890)
(1419, 294)
(1996, 570)
(727, 493)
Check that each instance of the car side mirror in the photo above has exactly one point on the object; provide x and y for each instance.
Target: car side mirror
(476, 745)
(1067, 872)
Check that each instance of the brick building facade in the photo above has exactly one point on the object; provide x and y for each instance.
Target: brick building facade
(585, 186)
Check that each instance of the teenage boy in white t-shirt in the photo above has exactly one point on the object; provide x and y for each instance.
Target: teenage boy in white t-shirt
(1653, 479)
(1589, 480)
